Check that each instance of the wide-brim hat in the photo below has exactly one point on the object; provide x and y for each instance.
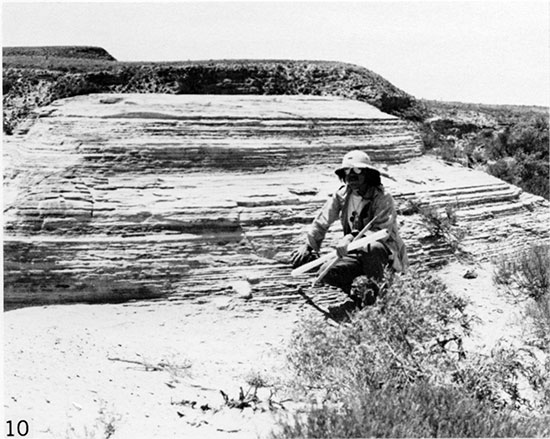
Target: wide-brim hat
(357, 159)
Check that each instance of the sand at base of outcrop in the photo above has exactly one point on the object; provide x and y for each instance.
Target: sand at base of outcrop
(75, 369)
(154, 369)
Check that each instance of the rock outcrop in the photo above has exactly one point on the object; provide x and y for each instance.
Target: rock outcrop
(32, 80)
(171, 198)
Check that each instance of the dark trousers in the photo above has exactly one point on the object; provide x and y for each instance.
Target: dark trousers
(370, 262)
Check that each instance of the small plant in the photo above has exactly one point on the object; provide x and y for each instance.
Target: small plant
(245, 399)
(104, 427)
(438, 225)
(251, 400)
(528, 272)
(108, 420)
(497, 378)
(257, 379)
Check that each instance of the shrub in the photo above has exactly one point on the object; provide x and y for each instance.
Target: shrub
(430, 140)
(438, 225)
(398, 369)
(527, 275)
(7, 125)
(414, 328)
(500, 378)
(535, 174)
(473, 135)
(433, 139)
(520, 155)
(529, 271)
(73, 85)
(449, 152)
(417, 411)
(506, 169)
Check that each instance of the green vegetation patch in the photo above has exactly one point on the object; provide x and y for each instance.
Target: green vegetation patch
(526, 275)
(399, 369)
(414, 330)
(509, 142)
(420, 410)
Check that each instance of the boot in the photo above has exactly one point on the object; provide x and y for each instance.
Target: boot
(364, 291)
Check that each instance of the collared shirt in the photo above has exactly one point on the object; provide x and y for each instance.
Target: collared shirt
(376, 203)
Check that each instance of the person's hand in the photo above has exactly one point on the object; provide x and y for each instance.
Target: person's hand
(342, 247)
(302, 256)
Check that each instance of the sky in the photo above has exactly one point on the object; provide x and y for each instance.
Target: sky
(492, 52)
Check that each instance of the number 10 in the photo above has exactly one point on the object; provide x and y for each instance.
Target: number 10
(22, 428)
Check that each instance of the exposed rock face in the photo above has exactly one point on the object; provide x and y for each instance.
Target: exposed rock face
(32, 80)
(109, 197)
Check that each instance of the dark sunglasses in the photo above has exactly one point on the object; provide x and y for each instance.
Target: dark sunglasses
(357, 171)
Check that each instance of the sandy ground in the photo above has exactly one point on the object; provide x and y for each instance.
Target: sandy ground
(498, 315)
(61, 378)
(69, 370)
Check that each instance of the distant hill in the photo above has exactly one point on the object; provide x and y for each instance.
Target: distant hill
(482, 115)
(79, 52)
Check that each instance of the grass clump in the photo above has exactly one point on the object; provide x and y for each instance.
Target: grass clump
(399, 369)
(105, 426)
(418, 410)
(257, 379)
(526, 275)
(439, 225)
(528, 272)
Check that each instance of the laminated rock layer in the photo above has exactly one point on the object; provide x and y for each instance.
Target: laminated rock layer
(174, 198)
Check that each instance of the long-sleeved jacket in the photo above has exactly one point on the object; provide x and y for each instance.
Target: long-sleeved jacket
(379, 203)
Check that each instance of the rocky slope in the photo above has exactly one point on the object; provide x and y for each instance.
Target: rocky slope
(112, 197)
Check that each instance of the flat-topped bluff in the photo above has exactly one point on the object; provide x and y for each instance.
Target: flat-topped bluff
(74, 52)
(110, 197)
(34, 77)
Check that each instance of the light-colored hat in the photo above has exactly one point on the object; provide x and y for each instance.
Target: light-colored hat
(356, 159)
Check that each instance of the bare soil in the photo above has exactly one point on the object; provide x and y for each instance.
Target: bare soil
(158, 369)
